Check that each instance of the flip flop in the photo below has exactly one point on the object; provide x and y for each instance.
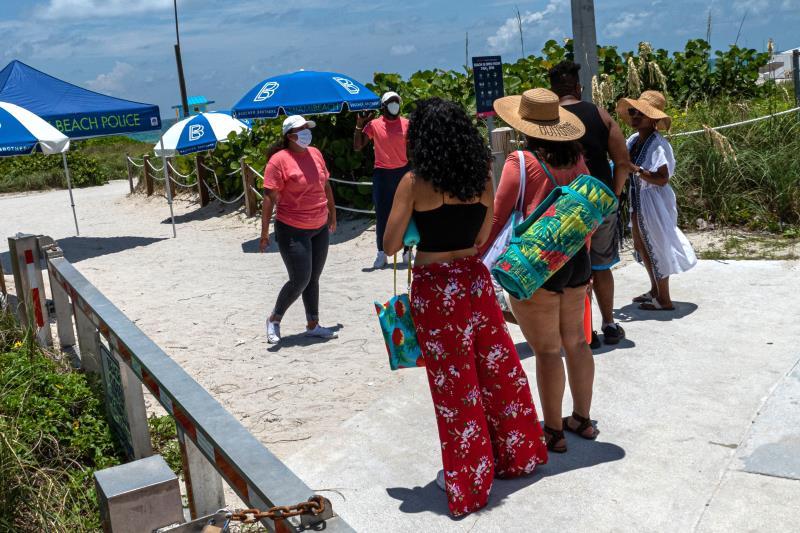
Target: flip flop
(642, 298)
(653, 305)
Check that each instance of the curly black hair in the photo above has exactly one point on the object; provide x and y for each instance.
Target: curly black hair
(564, 77)
(447, 150)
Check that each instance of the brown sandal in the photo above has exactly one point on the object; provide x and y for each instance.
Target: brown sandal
(552, 437)
(583, 425)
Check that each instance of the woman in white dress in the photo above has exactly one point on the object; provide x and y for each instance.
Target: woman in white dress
(658, 242)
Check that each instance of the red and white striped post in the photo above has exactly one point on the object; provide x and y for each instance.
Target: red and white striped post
(29, 285)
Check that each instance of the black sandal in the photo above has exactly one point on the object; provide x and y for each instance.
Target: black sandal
(552, 437)
(583, 425)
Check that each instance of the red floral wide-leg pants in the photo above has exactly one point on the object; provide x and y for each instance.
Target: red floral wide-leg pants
(484, 410)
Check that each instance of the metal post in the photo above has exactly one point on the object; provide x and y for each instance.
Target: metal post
(796, 77)
(148, 178)
(64, 325)
(201, 179)
(130, 171)
(584, 42)
(172, 187)
(167, 185)
(88, 341)
(29, 284)
(248, 183)
(203, 483)
(69, 186)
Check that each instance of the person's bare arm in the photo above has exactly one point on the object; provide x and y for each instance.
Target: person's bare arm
(402, 209)
(270, 199)
(331, 207)
(360, 140)
(660, 177)
(487, 199)
(618, 150)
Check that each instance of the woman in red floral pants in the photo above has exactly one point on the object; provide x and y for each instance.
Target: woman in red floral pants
(487, 421)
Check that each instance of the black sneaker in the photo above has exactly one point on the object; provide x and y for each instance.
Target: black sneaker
(612, 334)
(595, 344)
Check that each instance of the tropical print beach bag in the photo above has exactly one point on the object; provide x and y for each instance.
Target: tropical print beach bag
(395, 319)
(553, 234)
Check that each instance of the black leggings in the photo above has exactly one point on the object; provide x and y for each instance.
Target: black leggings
(304, 252)
(384, 185)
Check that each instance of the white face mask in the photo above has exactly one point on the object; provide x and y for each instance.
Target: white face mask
(303, 138)
(393, 108)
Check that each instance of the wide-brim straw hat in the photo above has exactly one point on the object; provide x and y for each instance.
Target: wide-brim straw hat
(537, 113)
(650, 104)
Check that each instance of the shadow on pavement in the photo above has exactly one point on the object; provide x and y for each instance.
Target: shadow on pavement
(212, 210)
(632, 312)
(525, 352)
(77, 249)
(300, 339)
(582, 454)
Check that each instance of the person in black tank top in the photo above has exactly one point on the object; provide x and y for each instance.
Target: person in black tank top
(603, 139)
(485, 414)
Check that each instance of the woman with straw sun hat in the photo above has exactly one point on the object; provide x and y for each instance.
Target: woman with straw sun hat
(553, 316)
(658, 242)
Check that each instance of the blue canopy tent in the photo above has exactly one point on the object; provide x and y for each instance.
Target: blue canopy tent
(76, 112)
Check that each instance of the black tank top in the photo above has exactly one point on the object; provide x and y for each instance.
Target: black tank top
(594, 141)
(449, 227)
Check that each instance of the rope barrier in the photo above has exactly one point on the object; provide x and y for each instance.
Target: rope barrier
(229, 202)
(365, 211)
(182, 185)
(726, 126)
(254, 171)
(184, 176)
(153, 167)
(234, 172)
(367, 183)
(134, 163)
(162, 180)
(255, 191)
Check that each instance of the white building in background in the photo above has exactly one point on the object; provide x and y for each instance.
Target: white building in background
(779, 68)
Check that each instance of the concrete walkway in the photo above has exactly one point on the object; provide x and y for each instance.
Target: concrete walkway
(698, 412)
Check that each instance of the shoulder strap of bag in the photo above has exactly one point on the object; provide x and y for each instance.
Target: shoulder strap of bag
(395, 272)
(546, 170)
(522, 179)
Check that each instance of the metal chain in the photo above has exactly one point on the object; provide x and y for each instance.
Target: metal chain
(314, 507)
(229, 202)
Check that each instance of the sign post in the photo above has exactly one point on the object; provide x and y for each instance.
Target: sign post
(584, 41)
(488, 74)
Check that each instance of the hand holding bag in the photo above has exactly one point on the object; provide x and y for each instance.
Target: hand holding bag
(397, 327)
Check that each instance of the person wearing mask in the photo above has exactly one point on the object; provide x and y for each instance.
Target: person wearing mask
(296, 181)
(485, 414)
(388, 133)
(602, 141)
(659, 243)
(553, 317)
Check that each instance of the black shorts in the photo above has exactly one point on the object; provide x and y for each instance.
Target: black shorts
(575, 273)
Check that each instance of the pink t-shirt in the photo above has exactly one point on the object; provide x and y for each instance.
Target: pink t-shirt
(299, 179)
(389, 137)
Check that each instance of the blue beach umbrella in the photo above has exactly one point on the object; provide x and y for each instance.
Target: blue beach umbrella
(305, 93)
(23, 133)
(198, 133)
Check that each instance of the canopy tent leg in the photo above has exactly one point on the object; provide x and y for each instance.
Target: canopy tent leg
(69, 187)
(167, 185)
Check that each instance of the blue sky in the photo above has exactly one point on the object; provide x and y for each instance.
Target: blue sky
(125, 47)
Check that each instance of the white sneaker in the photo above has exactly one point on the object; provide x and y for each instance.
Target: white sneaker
(273, 332)
(380, 260)
(408, 257)
(440, 480)
(321, 333)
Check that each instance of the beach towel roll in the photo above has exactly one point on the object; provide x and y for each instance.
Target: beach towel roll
(553, 234)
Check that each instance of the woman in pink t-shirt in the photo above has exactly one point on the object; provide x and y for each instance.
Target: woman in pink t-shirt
(388, 133)
(296, 181)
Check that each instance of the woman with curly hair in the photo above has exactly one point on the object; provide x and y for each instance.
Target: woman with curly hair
(487, 421)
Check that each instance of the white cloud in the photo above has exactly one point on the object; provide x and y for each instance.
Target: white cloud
(626, 23)
(508, 34)
(64, 9)
(402, 49)
(113, 81)
(754, 7)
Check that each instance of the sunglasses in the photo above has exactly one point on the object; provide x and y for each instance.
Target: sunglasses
(633, 112)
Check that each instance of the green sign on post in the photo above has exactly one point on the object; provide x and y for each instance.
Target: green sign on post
(115, 401)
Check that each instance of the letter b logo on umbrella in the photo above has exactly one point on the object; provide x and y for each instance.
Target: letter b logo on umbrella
(196, 131)
(267, 91)
(348, 85)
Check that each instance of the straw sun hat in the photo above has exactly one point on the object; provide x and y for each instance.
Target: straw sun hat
(650, 104)
(536, 113)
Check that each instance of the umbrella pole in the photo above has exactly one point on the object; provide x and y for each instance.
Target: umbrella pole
(166, 185)
(69, 187)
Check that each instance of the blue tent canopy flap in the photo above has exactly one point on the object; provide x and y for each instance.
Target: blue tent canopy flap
(75, 111)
